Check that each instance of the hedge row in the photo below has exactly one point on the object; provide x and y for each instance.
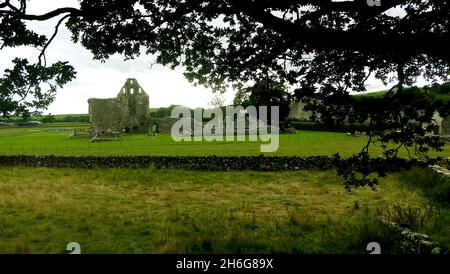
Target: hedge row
(319, 127)
(264, 163)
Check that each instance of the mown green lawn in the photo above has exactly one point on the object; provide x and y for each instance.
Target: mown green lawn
(178, 211)
(47, 141)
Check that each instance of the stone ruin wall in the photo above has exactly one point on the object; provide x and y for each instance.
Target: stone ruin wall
(161, 125)
(134, 112)
(129, 112)
(104, 114)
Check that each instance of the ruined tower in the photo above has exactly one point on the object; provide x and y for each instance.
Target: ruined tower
(128, 113)
(133, 108)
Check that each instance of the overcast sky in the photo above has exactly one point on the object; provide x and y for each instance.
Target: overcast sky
(104, 80)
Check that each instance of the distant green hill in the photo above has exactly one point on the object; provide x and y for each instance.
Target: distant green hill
(437, 91)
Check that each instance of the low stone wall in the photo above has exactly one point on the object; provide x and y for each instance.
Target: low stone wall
(263, 163)
(163, 125)
(186, 162)
(441, 173)
(415, 242)
(419, 243)
(79, 136)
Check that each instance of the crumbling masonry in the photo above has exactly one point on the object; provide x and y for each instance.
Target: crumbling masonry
(128, 113)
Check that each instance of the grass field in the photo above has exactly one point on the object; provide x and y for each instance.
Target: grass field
(50, 140)
(177, 211)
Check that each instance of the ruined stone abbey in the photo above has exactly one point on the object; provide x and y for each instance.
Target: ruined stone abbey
(127, 113)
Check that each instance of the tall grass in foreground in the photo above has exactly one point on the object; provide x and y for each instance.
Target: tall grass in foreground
(179, 211)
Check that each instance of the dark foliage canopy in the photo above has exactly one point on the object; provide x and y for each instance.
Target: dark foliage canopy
(265, 93)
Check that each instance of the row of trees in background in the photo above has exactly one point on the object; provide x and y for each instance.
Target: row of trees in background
(48, 119)
(80, 118)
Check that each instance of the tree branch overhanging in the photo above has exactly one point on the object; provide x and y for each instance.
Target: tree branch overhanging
(51, 14)
(365, 41)
(42, 54)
